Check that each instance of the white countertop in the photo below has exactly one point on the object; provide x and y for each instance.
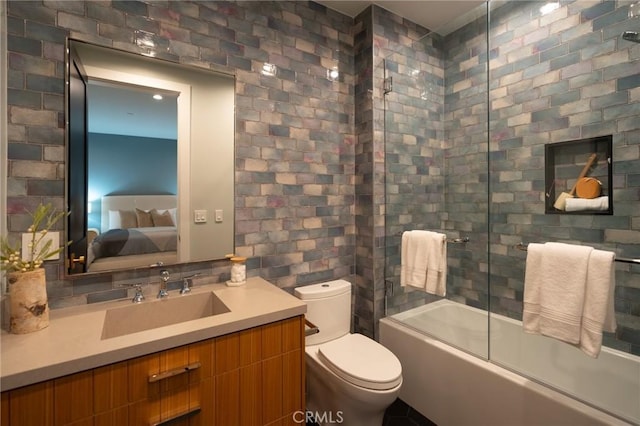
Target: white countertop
(73, 342)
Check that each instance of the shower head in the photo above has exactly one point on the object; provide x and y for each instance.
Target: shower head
(631, 36)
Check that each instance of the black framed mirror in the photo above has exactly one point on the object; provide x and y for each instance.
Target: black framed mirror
(151, 161)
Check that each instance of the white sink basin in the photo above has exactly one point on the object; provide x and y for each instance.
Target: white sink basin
(160, 313)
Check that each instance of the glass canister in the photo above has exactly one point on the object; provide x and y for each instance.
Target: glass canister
(238, 271)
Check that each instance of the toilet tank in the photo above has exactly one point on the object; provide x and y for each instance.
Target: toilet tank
(328, 307)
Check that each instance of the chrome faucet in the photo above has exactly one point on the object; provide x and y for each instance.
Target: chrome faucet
(164, 276)
(139, 296)
(187, 282)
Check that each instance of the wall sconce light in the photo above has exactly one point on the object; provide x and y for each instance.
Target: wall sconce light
(269, 70)
(333, 74)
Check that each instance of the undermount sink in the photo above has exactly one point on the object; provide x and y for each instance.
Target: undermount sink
(160, 313)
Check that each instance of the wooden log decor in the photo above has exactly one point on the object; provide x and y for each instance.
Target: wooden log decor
(29, 307)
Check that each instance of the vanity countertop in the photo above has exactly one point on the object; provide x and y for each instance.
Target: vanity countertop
(73, 341)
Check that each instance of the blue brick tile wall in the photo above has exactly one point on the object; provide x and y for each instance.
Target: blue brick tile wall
(295, 143)
(313, 156)
(562, 76)
(578, 83)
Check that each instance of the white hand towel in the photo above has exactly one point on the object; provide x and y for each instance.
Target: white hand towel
(563, 278)
(532, 285)
(598, 313)
(424, 261)
(582, 204)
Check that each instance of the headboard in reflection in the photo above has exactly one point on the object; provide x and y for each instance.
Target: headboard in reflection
(147, 179)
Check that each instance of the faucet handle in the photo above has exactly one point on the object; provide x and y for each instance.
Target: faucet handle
(164, 275)
(187, 283)
(139, 295)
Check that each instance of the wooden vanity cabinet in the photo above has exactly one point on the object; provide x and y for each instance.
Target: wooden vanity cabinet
(251, 377)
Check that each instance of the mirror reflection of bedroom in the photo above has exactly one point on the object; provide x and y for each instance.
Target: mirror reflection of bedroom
(131, 176)
(151, 161)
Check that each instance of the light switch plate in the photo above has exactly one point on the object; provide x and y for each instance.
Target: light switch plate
(219, 216)
(200, 216)
(54, 236)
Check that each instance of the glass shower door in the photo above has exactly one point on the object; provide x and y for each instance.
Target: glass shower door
(567, 75)
(436, 175)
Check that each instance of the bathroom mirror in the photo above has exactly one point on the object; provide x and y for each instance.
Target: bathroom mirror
(150, 172)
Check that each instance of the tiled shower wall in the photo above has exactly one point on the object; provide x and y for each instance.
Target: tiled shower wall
(295, 142)
(563, 76)
(411, 59)
(393, 191)
(365, 255)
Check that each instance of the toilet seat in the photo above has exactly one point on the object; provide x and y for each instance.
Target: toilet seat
(362, 362)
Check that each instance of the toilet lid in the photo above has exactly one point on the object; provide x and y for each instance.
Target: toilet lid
(362, 362)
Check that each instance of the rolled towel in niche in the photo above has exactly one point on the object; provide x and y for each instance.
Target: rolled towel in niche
(584, 204)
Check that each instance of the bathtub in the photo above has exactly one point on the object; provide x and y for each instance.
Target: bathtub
(450, 386)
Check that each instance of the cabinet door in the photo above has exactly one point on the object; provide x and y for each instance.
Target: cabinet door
(4, 408)
(292, 381)
(118, 416)
(293, 366)
(202, 383)
(32, 405)
(251, 395)
(144, 397)
(110, 387)
(73, 398)
(203, 396)
(272, 389)
(139, 371)
(227, 401)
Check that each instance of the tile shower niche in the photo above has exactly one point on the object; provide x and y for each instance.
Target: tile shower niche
(578, 176)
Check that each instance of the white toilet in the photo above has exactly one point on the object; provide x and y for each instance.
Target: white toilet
(351, 379)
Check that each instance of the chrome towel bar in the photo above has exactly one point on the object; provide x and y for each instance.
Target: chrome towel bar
(449, 240)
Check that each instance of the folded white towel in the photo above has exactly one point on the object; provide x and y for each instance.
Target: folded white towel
(532, 285)
(569, 294)
(555, 308)
(598, 313)
(424, 261)
(582, 204)
(564, 270)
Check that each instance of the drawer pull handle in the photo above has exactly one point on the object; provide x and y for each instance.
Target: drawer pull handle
(190, 412)
(171, 373)
(313, 329)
